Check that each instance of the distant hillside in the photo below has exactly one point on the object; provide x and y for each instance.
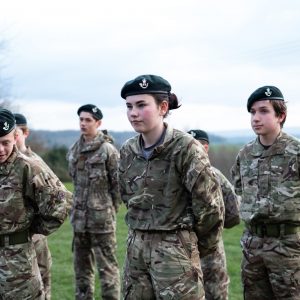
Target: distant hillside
(68, 137)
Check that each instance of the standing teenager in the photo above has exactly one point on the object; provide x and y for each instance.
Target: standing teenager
(172, 195)
(93, 165)
(267, 176)
(32, 201)
(214, 268)
(40, 242)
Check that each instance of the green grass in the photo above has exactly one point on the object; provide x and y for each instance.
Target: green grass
(60, 244)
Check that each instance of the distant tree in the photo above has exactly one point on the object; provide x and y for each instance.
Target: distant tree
(56, 160)
(223, 157)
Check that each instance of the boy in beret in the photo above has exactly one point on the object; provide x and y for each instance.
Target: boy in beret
(267, 176)
(32, 201)
(173, 199)
(93, 166)
(40, 242)
(215, 276)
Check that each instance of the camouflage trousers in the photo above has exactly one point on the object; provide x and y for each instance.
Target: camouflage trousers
(163, 265)
(20, 277)
(44, 260)
(216, 279)
(92, 249)
(271, 267)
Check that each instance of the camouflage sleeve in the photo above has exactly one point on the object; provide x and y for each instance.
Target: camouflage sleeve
(207, 203)
(231, 201)
(50, 198)
(236, 176)
(112, 170)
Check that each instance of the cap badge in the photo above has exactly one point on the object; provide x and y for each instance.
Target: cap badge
(193, 133)
(144, 84)
(268, 92)
(94, 109)
(6, 126)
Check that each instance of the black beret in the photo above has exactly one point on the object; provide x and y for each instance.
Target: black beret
(146, 84)
(267, 92)
(92, 109)
(20, 119)
(7, 121)
(199, 134)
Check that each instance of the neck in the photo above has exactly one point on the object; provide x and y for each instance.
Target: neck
(268, 140)
(150, 138)
(89, 138)
(22, 148)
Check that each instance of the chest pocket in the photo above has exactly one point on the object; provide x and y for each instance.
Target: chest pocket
(12, 208)
(99, 196)
(249, 170)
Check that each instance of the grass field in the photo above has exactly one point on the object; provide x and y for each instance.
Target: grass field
(60, 244)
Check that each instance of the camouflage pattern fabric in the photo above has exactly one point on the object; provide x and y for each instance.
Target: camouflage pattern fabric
(269, 182)
(215, 276)
(100, 248)
(44, 261)
(94, 170)
(40, 243)
(162, 266)
(30, 198)
(175, 189)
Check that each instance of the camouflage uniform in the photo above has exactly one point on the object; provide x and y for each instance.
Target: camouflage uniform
(40, 243)
(215, 276)
(32, 200)
(269, 182)
(94, 169)
(174, 208)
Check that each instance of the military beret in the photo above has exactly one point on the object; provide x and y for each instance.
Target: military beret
(146, 84)
(92, 109)
(267, 92)
(7, 121)
(20, 119)
(199, 134)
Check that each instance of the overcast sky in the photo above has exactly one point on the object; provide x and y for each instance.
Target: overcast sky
(60, 54)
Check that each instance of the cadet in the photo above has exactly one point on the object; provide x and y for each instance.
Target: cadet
(215, 276)
(93, 165)
(32, 201)
(172, 196)
(267, 175)
(40, 242)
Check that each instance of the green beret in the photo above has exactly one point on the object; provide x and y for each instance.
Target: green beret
(7, 121)
(20, 120)
(199, 134)
(146, 84)
(92, 109)
(267, 92)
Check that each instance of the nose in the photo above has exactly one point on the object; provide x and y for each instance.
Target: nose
(255, 116)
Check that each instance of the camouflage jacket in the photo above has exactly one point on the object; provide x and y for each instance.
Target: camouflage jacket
(93, 167)
(30, 197)
(231, 200)
(269, 181)
(176, 188)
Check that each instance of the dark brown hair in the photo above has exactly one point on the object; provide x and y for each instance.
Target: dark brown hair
(280, 109)
(171, 98)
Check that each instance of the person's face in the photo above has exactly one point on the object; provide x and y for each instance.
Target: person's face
(88, 125)
(143, 112)
(263, 118)
(20, 137)
(205, 145)
(7, 143)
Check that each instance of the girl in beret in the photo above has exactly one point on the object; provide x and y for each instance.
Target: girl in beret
(173, 198)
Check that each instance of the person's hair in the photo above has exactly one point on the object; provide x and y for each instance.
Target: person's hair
(171, 98)
(280, 109)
